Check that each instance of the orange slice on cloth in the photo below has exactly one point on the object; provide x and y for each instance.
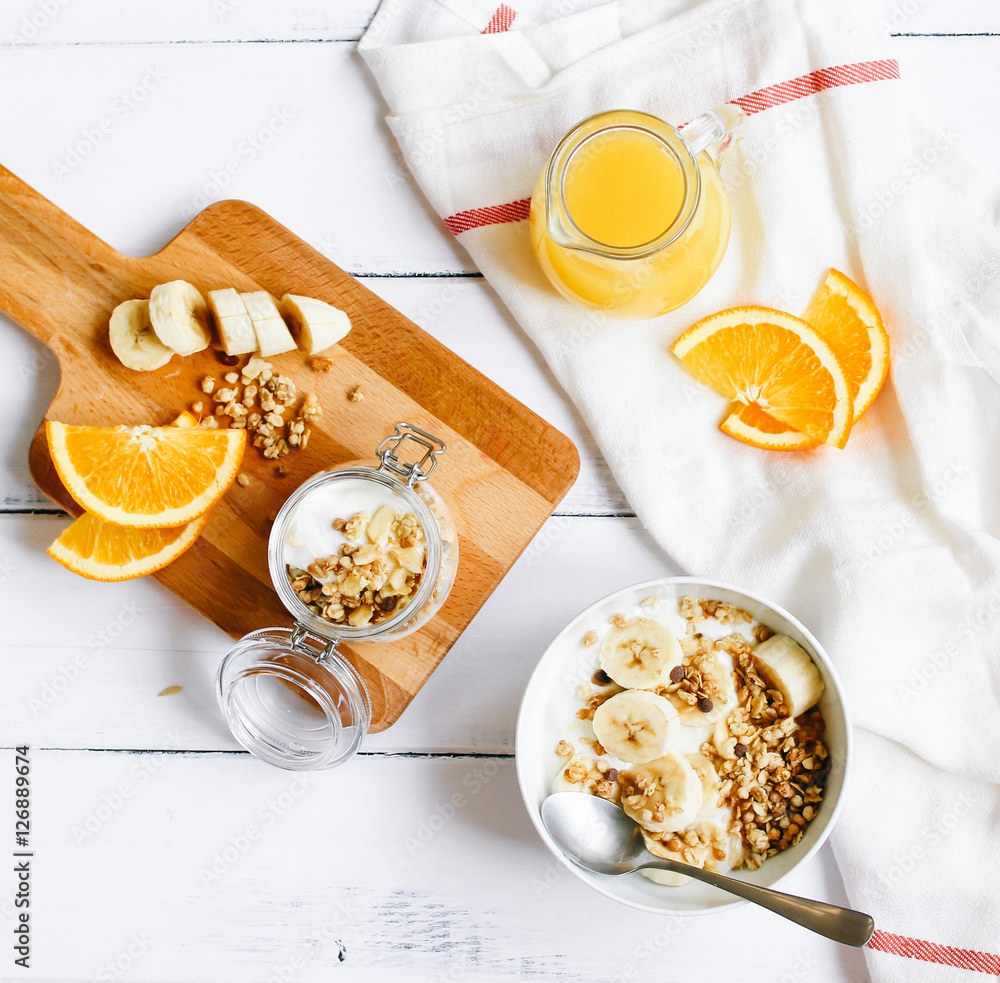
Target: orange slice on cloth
(778, 362)
(145, 477)
(850, 323)
(749, 423)
(103, 551)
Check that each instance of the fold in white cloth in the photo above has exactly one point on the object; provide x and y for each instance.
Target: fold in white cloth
(886, 549)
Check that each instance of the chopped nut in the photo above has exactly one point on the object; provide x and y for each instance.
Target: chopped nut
(232, 377)
(590, 638)
(321, 364)
(564, 749)
(282, 470)
(207, 384)
(618, 620)
(648, 602)
(242, 480)
(197, 407)
(311, 411)
(356, 395)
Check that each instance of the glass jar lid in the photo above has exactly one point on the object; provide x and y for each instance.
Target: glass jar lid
(291, 700)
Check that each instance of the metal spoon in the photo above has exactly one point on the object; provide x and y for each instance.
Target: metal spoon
(598, 835)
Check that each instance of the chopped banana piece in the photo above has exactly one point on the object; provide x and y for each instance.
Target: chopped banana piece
(231, 318)
(273, 336)
(315, 324)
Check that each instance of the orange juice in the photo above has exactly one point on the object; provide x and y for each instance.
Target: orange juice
(625, 219)
(625, 190)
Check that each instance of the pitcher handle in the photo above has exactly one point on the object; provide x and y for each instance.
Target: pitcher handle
(715, 131)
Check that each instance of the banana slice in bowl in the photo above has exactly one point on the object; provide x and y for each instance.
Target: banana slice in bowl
(704, 844)
(663, 795)
(716, 683)
(636, 725)
(640, 654)
(710, 783)
(785, 666)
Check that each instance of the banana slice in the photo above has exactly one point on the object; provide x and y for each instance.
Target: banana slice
(133, 339)
(712, 848)
(235, 327)
(721, 683)
(315, 324)
(662, 795)
(710, 783)
(273, 336)
(640, 654)
(725, 742)
(179, 317)
(785, 666)
(578, 767)
(636, 726)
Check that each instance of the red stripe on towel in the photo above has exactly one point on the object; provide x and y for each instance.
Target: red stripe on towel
(931, 952)
(501, 20)
(825, 78)
(756, 102)
(474, 218)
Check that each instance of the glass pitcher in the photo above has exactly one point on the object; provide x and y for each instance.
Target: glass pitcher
(631, 216)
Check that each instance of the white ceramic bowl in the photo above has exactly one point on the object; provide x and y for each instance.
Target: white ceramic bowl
(551, 700)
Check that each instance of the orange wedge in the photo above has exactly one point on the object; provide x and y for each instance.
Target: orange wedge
(776, 361)
(749, 423)
(145, 477)
(103, 551)
(852, 326)
(850, 323)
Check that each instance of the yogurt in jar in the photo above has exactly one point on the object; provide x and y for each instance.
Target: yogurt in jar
(311, 533)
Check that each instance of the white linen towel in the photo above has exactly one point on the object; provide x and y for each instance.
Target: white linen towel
(886, 549)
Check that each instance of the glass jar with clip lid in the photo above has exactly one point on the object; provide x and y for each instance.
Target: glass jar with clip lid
(356, 553)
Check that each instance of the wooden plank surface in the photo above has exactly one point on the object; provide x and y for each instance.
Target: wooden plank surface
(354, 202)
(174, 868)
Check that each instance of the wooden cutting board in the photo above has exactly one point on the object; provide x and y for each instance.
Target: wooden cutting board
(504, 471)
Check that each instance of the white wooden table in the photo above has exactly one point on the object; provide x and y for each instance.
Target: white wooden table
(161, 851)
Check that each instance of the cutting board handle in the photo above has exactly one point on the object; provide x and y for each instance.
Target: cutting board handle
(50, 266)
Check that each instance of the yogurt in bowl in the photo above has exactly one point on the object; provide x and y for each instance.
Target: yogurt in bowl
(675, 795)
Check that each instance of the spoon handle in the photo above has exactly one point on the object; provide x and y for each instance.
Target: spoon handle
(843, 925)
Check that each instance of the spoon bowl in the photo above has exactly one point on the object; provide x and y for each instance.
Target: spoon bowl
(598, 835)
